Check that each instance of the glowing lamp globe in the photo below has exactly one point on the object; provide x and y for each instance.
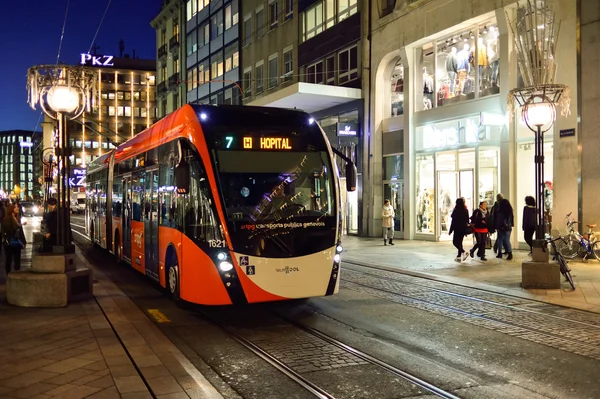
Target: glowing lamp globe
(539, 114)
(63, 99)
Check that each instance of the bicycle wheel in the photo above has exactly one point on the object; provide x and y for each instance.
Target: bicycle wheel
(564, 269)
(568, 247)
(596, 249)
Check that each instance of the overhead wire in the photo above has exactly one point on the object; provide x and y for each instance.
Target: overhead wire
(98, 30)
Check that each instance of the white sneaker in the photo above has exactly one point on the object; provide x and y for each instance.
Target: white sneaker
(457, 259)
(465, 255)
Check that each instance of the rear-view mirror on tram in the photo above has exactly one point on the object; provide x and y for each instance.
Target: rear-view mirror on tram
(182, 177)
(350, 176)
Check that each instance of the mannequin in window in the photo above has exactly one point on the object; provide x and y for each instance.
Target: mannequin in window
(462, 67)
(451, 67)
(427, 89)
(420, 210)
(492, 53)
(482, 59)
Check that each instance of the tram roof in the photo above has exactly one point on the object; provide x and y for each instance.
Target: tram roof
(176, 124)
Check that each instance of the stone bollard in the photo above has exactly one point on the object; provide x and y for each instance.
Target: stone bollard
(54, 280)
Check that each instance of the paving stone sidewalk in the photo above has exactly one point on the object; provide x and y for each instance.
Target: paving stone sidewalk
(435, 260)
(101, 348)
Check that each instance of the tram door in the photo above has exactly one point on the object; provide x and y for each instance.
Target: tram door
(126, 217)
(151, 210)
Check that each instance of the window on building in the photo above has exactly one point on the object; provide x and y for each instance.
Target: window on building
(228, 98)
(348, 64)
(346, 8)
(191, 9)
(128, 95)
(228, 16)
(216, 24)
(247, 29)
(260, 22)
(314, 73)
(288, 64)
(247, 82)
(273, 71)
(111, 95)
(127, 111)
(192, 42)
(204, 35)
(120, 111)
(259, 77)
(190, 79)
(216, 61)
(194, 78)
(202, 4)
(330, 70)
(111, 111)
(232, 57)
(273, 14)
(312, 21)
(203, 71)
(289, 8)
(176, 65)
(235, 13)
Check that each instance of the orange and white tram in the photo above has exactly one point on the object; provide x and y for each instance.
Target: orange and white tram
(224, 205)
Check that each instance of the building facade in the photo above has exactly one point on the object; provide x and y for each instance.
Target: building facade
(212, 52)
(20, 164)
(125, 104)
(170, 57)
(307, 55)
(438, 118)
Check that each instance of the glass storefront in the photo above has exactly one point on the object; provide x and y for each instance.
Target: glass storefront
(456, 158)
(348, 145)
(461, 66)
(398, 89)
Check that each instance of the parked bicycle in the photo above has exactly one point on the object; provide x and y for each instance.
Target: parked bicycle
(575, 243)
(564, 268)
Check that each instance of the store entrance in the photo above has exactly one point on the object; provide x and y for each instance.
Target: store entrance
(394, 191)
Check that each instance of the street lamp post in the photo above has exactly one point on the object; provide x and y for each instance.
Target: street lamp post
(539, 118)
(63, 92)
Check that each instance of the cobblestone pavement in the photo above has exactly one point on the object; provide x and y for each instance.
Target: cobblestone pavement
(435, 260)
(561, 328)
(101, 348)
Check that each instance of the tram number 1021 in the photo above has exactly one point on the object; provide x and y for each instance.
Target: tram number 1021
(217, 243)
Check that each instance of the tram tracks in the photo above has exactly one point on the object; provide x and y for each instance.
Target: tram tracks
(502, 313)
(306, 378)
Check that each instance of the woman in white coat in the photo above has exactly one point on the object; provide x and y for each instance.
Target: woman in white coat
(387, 222)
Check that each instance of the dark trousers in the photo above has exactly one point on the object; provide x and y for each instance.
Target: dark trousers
(457, 241)
(12, 255)
(529, 237)
(480, 239)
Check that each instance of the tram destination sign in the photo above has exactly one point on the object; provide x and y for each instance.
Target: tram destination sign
(258, 143)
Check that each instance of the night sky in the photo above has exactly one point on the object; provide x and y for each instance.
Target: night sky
(30, 32)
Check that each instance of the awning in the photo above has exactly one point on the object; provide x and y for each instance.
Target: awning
(308, 97)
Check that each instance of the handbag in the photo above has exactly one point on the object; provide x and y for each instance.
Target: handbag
(468, 230)
(488, 242)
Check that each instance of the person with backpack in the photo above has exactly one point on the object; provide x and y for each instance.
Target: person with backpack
(492, 226)
(13, 238)
(529, 220)
(479, 220)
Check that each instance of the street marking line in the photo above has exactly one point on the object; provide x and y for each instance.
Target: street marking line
(158, 316)
(78, 225)
(83, 235)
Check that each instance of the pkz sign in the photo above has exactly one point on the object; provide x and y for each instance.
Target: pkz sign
(347, 129)
(77, 178)
(96, 60)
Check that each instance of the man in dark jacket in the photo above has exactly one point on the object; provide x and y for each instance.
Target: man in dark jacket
(51, 222)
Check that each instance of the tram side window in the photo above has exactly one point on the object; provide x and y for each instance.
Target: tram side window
(201, 222)
(117, 196)
(166, 183)
(137, 192)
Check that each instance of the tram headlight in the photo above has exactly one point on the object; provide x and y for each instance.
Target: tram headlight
(221, 256)
(337, 258)
(225, 266)
(339, 249)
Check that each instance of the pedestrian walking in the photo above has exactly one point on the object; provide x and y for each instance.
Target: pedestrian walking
(13, 238)
(458, 226)
(387, 222)
(503, 224)
(529, 222)
(480, 230)
(492, 226)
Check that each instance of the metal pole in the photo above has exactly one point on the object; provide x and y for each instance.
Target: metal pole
(59, 226)
(539, 184)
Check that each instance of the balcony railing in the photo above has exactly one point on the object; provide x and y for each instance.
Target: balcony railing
(161, 88)
(173, 80)
(174, 42)
(162, 51)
